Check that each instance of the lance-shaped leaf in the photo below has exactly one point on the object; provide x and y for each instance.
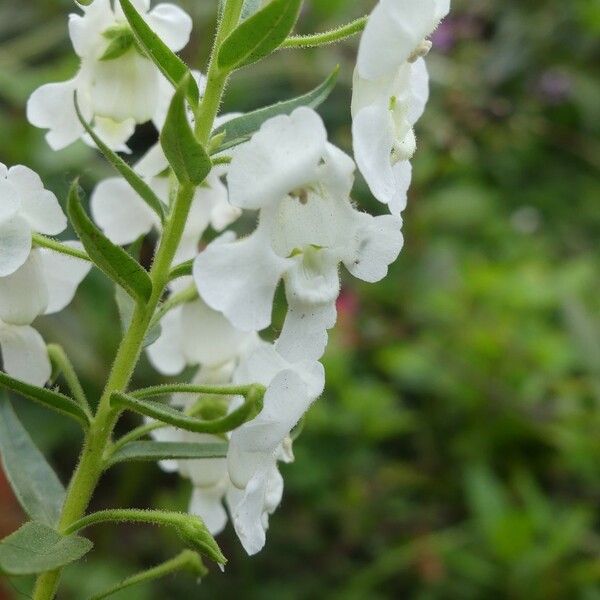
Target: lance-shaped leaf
(259, 35)
(111, 259)
(48, 398)
(131, 177)
(241, 128)
(170, 415)
(36, 548)
(171, 66)
(155, 451)
(186, 155)
(36, 486)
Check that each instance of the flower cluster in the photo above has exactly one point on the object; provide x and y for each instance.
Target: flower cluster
(117, 85)
(287, 179)
(33, 281)
(391, 88)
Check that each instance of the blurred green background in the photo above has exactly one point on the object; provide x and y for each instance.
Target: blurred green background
(456, 451)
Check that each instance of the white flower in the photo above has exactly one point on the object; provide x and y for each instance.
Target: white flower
(194, 334)
(43, 285)
(391, 89)
(394, 34)
(124, 216)
(384, 113)
(116, 85)
(256, 446)
(209, 477)
(25, 207)
(307, 226)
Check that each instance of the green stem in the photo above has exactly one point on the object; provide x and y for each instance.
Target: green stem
(46, 242)
(90, 466)
(183, 388)
(127, 515)
(215, 78)
(187, 295)
(181, 270)
(60, 359)
(186, 561)
(98, 438)
(135, 434)
(327, 37)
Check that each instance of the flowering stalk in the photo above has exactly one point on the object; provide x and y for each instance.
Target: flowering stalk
(90, 467)
(229, 428)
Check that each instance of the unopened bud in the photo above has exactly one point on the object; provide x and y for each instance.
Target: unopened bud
(196, 536)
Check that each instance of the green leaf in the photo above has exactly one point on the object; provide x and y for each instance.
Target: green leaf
(171, 66)
(186, 155)
(33, 481)
(108, 257)
(259, 35)
(121, 41)
(126, 306)
(131, 177)
(240, 129)
(49, 398)
(155, 451)
(36, 548)
(170, 415)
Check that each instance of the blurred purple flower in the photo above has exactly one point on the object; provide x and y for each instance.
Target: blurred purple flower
(555, 86)
(444, 37)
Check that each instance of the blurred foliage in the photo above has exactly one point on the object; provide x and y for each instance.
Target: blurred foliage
(455, 453)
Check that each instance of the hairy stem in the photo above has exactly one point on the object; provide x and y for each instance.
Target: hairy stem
(216, 79)
(186, 560)
(90, 467)
(327, 37)
(45, 242)
(60, 359)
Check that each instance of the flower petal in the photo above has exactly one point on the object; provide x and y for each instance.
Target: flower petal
(120, 212)
(394, 30)
(86, 30)
(207, 503)
(403, 175)
(239, 279)
(38, 205)
(304, 333)
(419, 90)
(166, 354)
(172, 24)
(15, 244)
(51, 107)
(23, 294)
(153, 163)
(24, 354)
(125, 88)
(113, 133)
(282, 156)
(209, 339)
(287, 398)
(63, 274)
(10, 201)
(373, 138)
(247, 509)
(378, 244)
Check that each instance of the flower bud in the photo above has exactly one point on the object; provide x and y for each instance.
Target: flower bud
(196, 536)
